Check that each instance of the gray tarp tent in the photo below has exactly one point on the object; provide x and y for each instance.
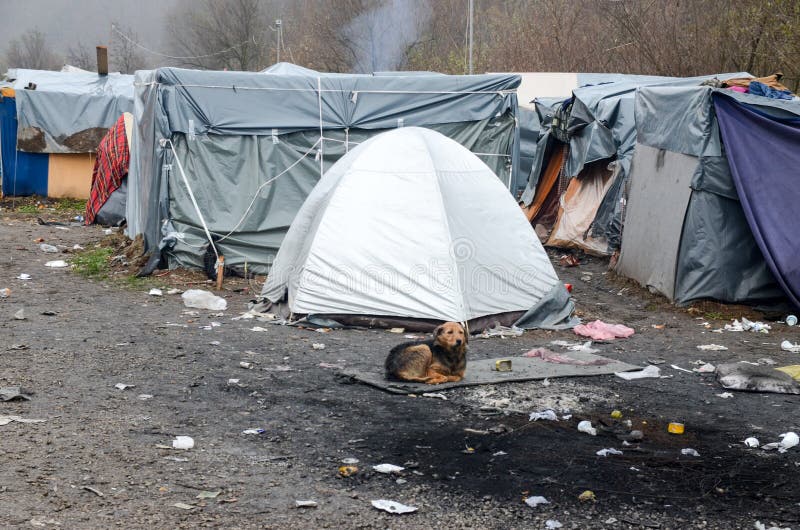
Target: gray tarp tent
(67, 112)
(685, 233)
(251, 146)
(602, 126)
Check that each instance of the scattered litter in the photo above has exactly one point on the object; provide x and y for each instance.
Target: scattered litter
(616, 414)
(756, 378)
(5, 293)
(791, 320)
(11, 393)
(347, 471)
(747, 325)
(724, 395)
(706, 368)
(558, 358)
(751, 442)
(552, 524)
(44, 247)
(182, 505)
(214, 343)
(586, 426)
(201, 299)
(609, 451)
(387, 468)
(575, 346)
(318, 346)
(535, 501)
(208, 494)
(93, 490)
(400, 481)
(434, 395)
(24, 277)
(392, 506)
(788, 346)
(793, 370)
(548, 414)
(587, 495)
(77, 247)
(599, 330)
(331, 366)
(689, 452)
(676, 428)
(788, 440)
(258, 329)
(144, 397)
(18, 347)
(648, 371)
(676, 367)
(305, 504)
(499, 453)
(246, 365)
(57, 264)
(350, 461)
(253, 431)
(20, 315)
(5, 420)
(123, 386)
(501, 331)
(475, 431)
(233, 381)
(156, 292)
(568, 260)
(711, 347)
(183, 442)
(397, 330)
(761, 526)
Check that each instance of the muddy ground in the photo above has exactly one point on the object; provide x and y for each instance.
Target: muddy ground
(102, 458)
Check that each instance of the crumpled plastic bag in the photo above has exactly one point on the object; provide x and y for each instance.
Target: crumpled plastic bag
(599, 330)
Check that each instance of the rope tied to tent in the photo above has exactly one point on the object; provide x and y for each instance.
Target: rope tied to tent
(321, 142)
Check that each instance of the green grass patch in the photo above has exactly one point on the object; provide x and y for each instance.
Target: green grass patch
(28, 208)
(713, 315)
(70, 205)
(92, 263)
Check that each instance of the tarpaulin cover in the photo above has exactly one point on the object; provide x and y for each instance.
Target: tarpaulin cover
(22, 173)
(212, 117)
(764, 155)
(68, 112)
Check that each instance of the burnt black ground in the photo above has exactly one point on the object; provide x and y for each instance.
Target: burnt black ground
(105, 332)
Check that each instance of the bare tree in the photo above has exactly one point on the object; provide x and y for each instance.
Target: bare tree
(126, 57)
(82, 56)
(222, 34)
(32, 51)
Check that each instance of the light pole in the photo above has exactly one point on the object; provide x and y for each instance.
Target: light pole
(471, 11)
(280, 29)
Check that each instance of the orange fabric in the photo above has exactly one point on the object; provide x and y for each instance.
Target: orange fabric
(546, 183)
(770, 80)
(7, 92)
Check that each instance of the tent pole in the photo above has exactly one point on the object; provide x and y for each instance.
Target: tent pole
(471, 11)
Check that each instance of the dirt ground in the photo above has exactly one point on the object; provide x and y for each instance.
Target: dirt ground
(102, 457)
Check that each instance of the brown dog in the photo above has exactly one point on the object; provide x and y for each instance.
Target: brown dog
(440, 360)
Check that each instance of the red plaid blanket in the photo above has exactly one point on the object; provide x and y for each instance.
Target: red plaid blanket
(110, 167)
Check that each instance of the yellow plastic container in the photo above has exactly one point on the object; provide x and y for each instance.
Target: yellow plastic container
(675, 428)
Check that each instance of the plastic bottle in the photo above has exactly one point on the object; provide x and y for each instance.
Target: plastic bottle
(791, 320)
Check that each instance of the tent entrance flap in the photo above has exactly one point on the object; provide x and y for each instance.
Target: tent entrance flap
(765, 178)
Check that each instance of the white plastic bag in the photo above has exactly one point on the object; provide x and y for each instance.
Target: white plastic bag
(204, 300)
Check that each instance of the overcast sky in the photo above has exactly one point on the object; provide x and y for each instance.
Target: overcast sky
(65, 22)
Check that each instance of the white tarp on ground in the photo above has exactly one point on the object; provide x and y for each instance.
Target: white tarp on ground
(410, 224)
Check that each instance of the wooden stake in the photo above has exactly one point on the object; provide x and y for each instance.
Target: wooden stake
(220, 271)
(102, 60)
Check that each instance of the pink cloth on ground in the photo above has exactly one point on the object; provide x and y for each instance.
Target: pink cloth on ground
(599, 330)
(558, 358)
(741, 89)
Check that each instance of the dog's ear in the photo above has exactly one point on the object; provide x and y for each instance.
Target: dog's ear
(438, 330)
(466, 334)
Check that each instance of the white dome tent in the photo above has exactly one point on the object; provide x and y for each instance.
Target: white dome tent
(411, 225)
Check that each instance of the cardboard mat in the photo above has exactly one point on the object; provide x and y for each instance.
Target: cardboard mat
(482, 372)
